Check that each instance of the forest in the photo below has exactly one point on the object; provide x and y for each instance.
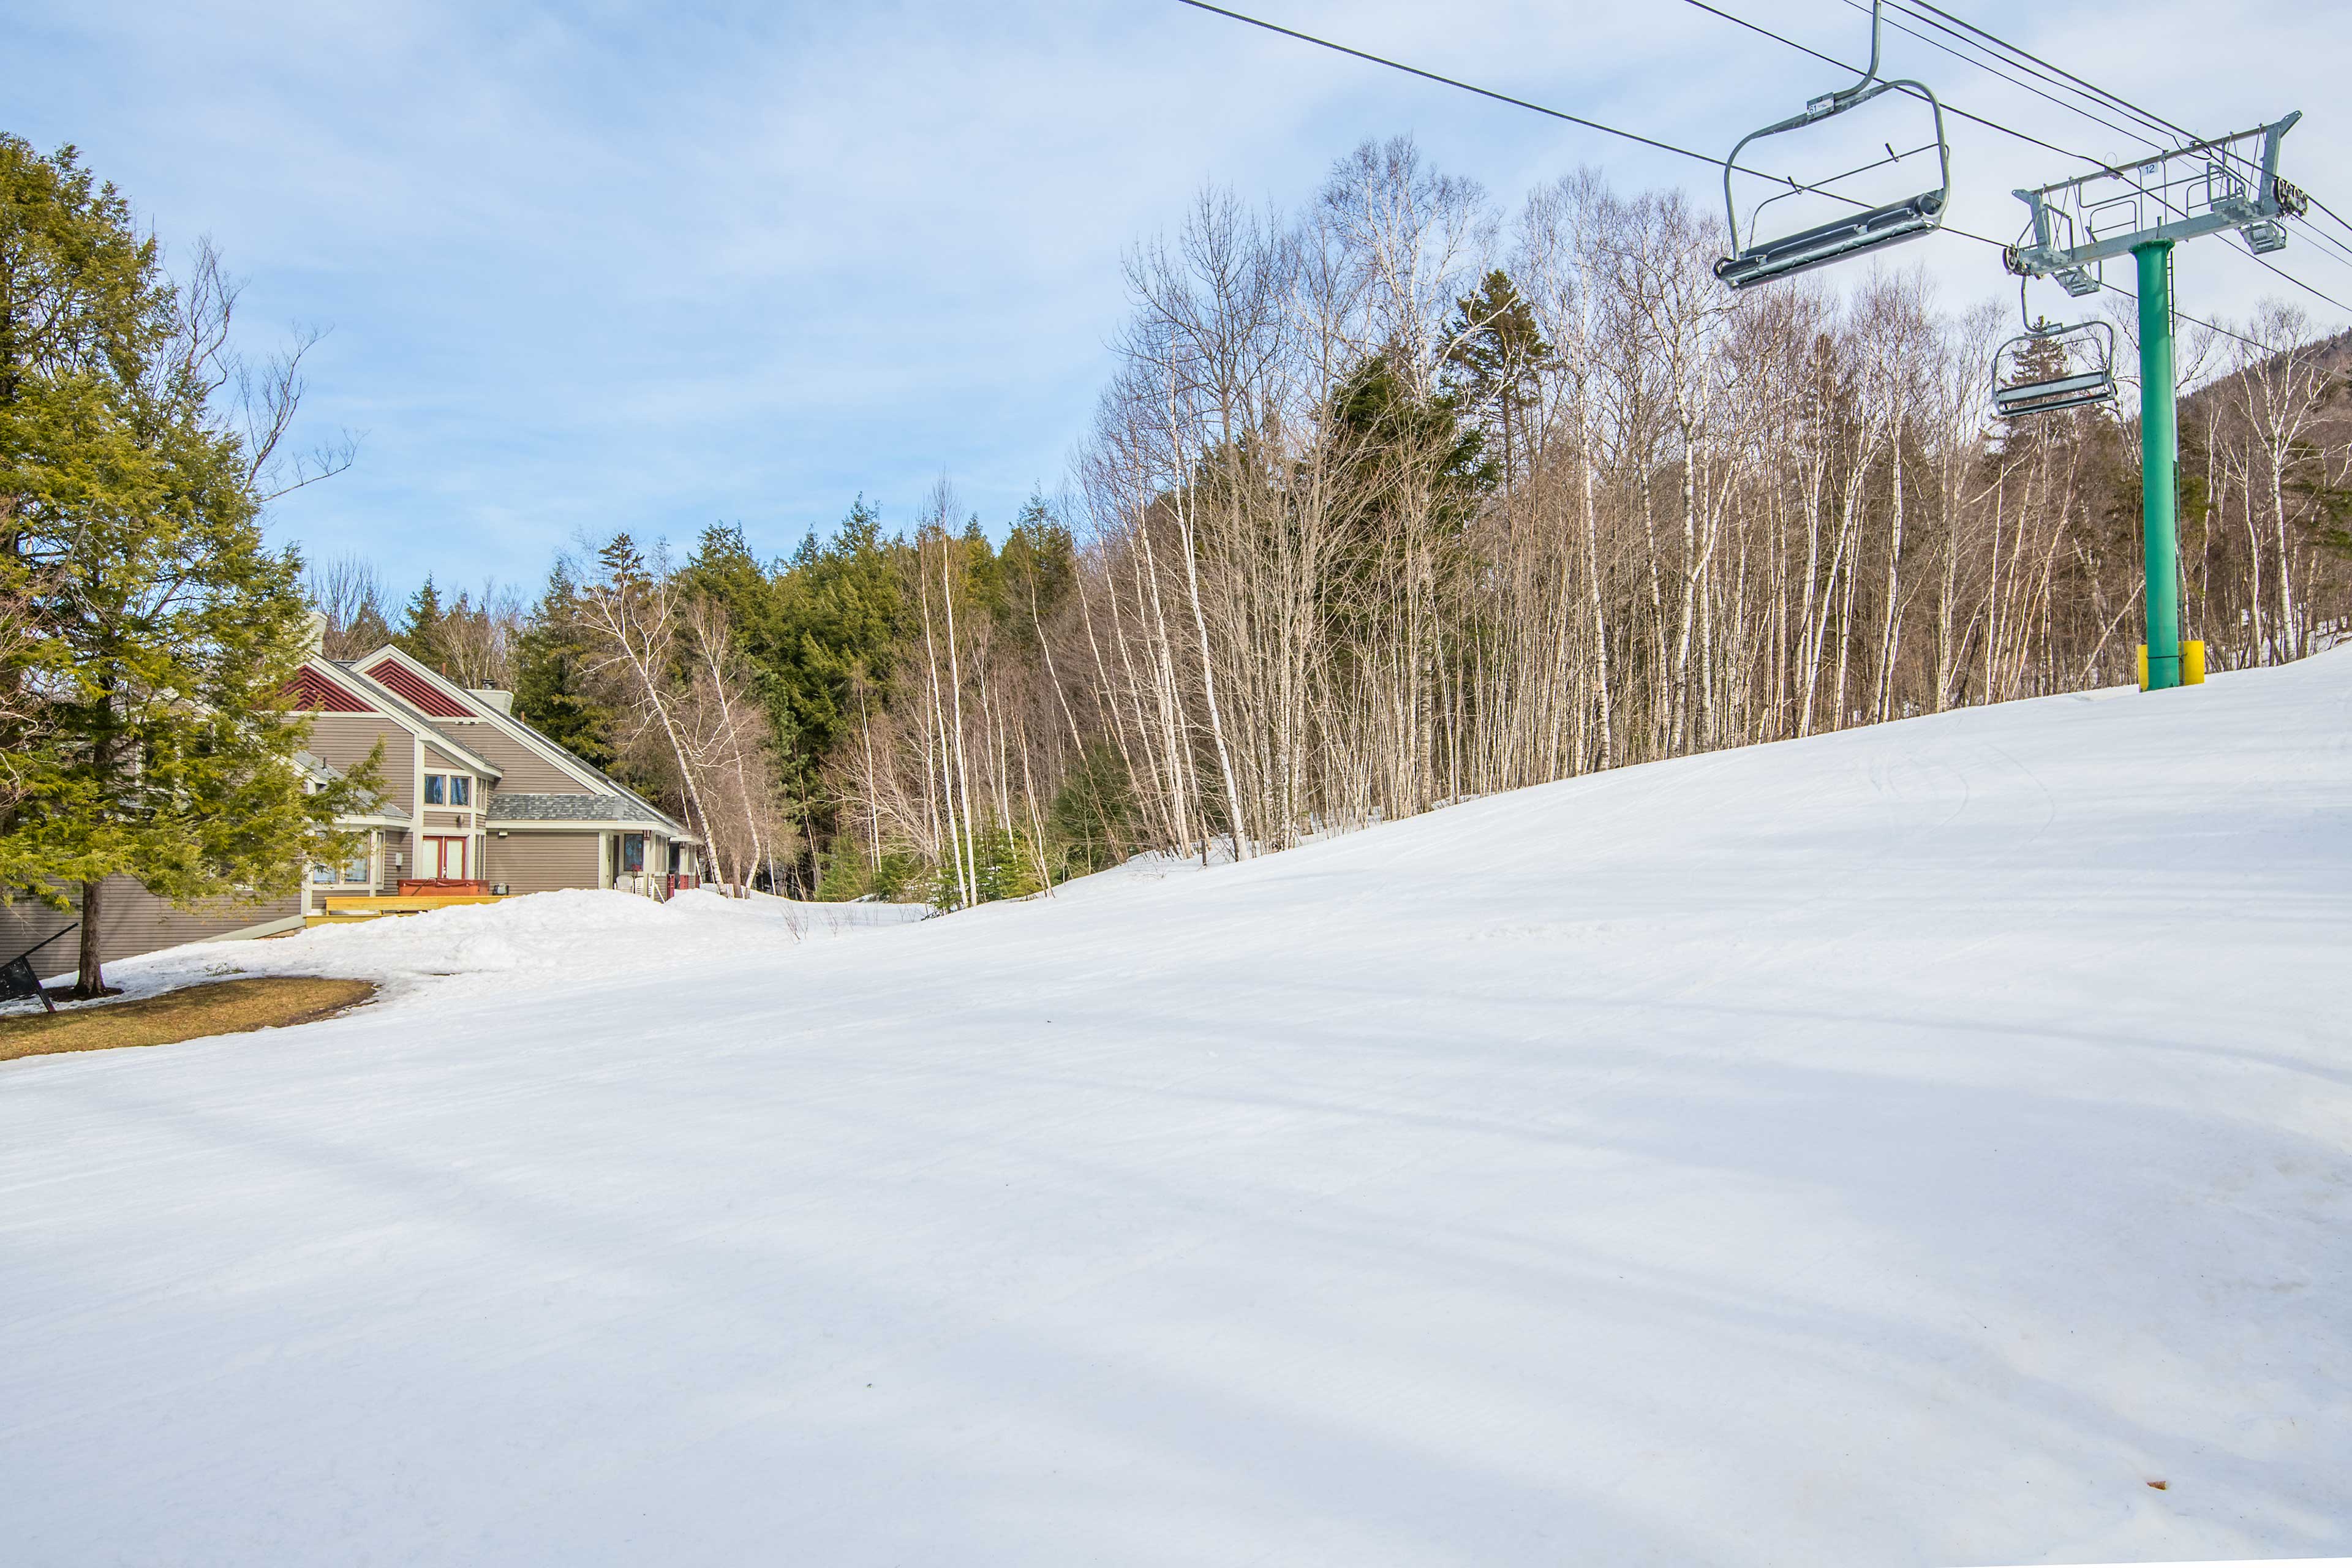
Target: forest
(1404, 497)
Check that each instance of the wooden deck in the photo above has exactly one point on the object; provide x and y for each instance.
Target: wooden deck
(344, 908)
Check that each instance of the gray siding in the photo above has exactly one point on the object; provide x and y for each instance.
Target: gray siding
(132, 920)
(437, 762)
(526, 771)
(542, 862)
(342, 740)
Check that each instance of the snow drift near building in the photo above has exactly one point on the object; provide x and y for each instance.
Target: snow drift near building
(1901, 1147)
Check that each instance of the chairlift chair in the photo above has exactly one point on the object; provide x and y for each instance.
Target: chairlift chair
(2087, 351)
(1752, 262)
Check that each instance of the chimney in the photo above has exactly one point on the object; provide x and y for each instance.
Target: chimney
(493, 698)
(314, 633)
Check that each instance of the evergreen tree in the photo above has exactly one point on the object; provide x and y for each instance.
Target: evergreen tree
(423, 631)
(1035, 571)
(1092, 824)
(163, 635)
(552, 690)
(723, 569)
(841, 617)
(367, 630)
(1494, 357)
(624, 563)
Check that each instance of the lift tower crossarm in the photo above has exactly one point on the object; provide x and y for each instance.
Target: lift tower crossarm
(2199, 189)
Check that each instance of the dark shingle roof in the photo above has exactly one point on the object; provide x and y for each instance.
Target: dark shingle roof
(508, 806)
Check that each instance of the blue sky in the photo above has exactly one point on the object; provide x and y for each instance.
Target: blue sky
(621, 266)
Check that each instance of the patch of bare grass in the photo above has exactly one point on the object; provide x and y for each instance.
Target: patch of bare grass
(191, 1013)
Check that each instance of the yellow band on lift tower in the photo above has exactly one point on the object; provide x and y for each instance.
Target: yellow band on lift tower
(2192, 664)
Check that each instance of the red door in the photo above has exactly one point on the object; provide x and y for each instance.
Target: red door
(445, 858)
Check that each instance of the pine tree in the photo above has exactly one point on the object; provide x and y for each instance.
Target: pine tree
(1035, 571)
(552, 690)
(841, 617)
(157, 741)
(367, 632)
(724, 569)
(1494, 356)
(423, 631)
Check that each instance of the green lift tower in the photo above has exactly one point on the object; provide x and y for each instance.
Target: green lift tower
(2142, 210)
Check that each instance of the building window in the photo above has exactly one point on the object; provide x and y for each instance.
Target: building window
(436, 789)
(633, 854)
(322, 876)
(359, 872)
(461, 789)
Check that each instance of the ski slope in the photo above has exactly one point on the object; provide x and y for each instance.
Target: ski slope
(1900, 1147)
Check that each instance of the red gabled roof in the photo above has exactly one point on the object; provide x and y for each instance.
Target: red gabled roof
(413, 689)
(318, 694)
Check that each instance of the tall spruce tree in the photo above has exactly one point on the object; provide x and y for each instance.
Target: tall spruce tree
(841, 617)
(163, 634)
(1494, 356)
(553, 689)
(424, 630)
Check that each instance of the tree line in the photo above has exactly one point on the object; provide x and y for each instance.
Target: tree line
(1401, 498)
(1394, 499)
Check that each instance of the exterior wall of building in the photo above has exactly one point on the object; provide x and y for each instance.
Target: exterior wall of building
(526, 771)
(342, 741)
(132, 920)
(436, 762)
(542, 862)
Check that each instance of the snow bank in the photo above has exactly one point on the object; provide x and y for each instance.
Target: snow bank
(546, 942)
(1903, 1147)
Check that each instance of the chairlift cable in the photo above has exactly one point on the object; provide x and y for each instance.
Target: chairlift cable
(1450, 82)
(1994, 69)
(2173, 127)
(2313, 292)
(1858, 5)
(2003, 67)
(2336, 247)
(2322, 233)
(2170, 126)
(2120, 102)
(1829, 60)
(2340, 250)
(2331, 212)
(1613, 131)
(2022, 75)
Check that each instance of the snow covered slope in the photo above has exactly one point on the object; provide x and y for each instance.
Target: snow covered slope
(1897, 1148)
